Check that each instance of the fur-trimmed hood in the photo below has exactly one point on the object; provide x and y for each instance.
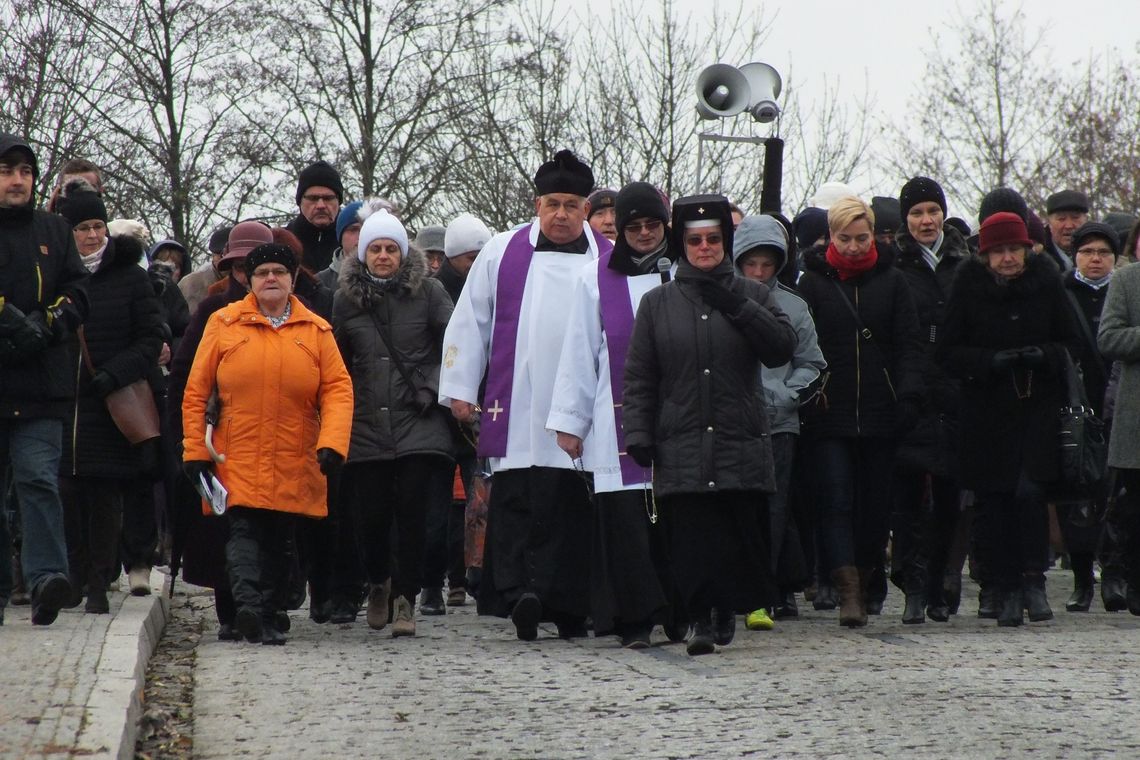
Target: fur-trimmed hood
(974, 273)
(359, 286)
(122, 251)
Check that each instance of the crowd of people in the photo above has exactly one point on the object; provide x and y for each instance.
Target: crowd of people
(673, 413)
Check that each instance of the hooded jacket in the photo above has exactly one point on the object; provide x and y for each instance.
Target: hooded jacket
(1007, 419)
(783, 386)
(124, 334)
(690, 384)
(39, 265)
(284, 394)
(864, 380)
(390, 418)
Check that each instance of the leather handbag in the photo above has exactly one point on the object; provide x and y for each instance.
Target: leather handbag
(1081, 436)
(131, 407)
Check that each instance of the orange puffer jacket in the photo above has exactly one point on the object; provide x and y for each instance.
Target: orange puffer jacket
(284, 394)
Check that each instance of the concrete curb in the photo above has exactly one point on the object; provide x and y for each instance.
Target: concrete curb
(115, 705)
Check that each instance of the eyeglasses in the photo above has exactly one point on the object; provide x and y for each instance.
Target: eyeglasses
(83, 229)
(319, 198)
(278, 272)
(1101, 253)
(637, 227)
(694, 241)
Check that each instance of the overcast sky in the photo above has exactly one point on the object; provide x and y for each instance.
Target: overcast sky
(880, 44)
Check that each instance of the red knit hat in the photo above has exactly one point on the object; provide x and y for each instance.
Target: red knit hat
(1002, 228)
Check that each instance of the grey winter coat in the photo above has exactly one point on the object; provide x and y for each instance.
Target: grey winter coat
(690, 384)
(1119, 340)
(390, 418)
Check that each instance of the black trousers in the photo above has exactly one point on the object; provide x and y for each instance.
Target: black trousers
(628, 575)
(443, 551)
(718, 551)
(399, 492)
(329, 547)
(257, 558)
(1012, 533)
(140, 524)
(93, 514)
(539, 521)
(924, 518)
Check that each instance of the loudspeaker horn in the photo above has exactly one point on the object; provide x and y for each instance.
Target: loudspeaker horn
(722, 91)
(764, 86)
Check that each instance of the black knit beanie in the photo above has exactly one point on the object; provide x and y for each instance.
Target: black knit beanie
(320, 174)
(80, 202)
(920, 190)
(1003, 199)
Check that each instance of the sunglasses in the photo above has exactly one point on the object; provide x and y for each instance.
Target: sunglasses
(694, 241)
(637, 227)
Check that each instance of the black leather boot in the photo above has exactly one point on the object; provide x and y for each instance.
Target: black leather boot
(724, 626)
(1114, 593)
(1036, 602)
(1011, 609)
(825, 598)
(1081, 598)
(989, 602)
(787, 607)
(913, 610)
(952, 591)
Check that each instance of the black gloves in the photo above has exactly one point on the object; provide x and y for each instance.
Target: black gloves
(643, 455)
(1033, 356)
(194, 468)
(907, 413)
(330, 462)
(24, 336)
(721, 298)
(1008, 358)
(102, 384)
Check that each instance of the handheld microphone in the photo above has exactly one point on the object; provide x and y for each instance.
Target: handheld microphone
(663, 266)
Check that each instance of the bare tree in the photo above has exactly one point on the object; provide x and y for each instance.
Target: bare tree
(36, 40)
(161, 88)
(1095, 135)
(370, 86)
(990, 100)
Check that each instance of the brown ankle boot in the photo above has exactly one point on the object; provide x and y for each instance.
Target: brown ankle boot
(852, 612)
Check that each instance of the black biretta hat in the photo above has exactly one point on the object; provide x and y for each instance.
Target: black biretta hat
(564, 173)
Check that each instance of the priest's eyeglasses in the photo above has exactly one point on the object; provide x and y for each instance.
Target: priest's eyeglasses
(637, 227)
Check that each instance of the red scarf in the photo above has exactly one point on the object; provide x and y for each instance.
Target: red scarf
(849, 266)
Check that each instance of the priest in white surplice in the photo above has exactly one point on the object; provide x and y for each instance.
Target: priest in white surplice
(508, 325)
(629, 577)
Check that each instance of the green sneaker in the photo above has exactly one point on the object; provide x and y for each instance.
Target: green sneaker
(759, 620)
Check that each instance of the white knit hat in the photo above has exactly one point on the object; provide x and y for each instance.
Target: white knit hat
(465, 233)
(828, 193)
(381, 224)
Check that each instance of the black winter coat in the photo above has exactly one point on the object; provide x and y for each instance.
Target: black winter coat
(1094, 368)
(1008, 419)
(38, 265)
(690, 384)
(932, 445)
(124, 336)
(319, 242)
(387, 422)
(864, 380)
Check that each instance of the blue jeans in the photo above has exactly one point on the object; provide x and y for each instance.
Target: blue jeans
(31, 449)
(853, 492)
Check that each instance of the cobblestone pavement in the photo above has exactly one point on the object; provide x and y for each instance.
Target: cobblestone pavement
(71, 689)
(465, 687)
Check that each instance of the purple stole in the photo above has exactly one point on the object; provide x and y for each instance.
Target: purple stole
(617, 322)
(513, 269)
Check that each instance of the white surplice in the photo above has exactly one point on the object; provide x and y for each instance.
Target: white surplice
(542, 324)
(583, 402)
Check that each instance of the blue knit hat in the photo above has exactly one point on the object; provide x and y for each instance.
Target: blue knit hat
(347, 217)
